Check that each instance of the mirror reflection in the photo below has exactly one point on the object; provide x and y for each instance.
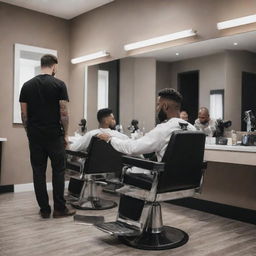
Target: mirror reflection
(219, 74)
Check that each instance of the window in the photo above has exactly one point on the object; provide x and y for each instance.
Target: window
(217, 104)
(102, 89)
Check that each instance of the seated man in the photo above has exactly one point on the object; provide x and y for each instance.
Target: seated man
(204, 123)
(168, 109)
(107, 124)
(184, 115)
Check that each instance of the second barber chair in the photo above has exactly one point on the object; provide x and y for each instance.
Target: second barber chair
(100, 160)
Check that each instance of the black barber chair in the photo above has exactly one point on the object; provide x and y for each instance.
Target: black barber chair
(74, 171)
(101, 159)
(179, 175)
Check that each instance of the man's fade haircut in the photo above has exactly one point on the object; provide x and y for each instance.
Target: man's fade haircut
(102, 113)
(171, 94)
(48, 60)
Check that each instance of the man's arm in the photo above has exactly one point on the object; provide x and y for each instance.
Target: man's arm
(64, 118)
(83, 142)
(24, 114)
(151, 142)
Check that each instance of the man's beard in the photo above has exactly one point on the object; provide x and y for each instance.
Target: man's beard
(112, 127)
(204, 122)
(53, 73)
(161, 116)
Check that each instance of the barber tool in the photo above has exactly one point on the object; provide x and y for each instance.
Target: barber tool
(250, 120)
(220, 126)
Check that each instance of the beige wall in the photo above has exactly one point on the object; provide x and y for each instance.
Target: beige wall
(163, 75)
(144, 92)
(108, 27)
(18, 25)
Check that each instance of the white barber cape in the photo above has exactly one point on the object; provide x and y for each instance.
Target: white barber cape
(154, 141)
(83, 142)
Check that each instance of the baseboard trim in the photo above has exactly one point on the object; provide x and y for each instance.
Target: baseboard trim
(16, 188)
(228, 211)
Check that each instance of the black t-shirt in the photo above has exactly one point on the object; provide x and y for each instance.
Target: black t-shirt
(42, 95)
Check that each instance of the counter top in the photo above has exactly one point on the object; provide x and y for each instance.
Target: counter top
(230, 154)
(238, 148)
(3, 139)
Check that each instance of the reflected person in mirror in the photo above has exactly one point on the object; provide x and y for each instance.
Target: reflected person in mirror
(204, 123)
(184, 115)
(44, 114)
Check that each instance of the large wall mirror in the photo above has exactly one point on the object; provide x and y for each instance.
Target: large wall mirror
(219, 74)
(26, 66)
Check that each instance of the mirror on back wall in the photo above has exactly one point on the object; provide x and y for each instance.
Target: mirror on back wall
(219, 74)
(26, 66)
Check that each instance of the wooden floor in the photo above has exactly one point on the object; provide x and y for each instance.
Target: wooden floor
(24, 233)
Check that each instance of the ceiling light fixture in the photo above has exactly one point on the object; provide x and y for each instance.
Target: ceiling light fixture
(236, 22)
(160, 39)
(92, 56)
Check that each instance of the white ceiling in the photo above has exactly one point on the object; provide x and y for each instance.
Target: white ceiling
(66, 9)
(245, 41)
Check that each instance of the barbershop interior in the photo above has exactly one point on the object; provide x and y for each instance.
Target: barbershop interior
(190, 191)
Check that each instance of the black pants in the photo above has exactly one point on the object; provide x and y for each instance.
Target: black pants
(40, 150)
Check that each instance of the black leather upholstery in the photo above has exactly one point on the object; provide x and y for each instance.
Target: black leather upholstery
(182, 164)
(183, 160)
(102, 158)
(138, 180)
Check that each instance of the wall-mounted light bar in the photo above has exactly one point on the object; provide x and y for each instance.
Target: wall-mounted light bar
(236, 22)
(92, 56)
(160, 39)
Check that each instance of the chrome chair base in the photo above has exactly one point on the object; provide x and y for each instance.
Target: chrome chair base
(71, 198)
(168, 238)
(94, 204)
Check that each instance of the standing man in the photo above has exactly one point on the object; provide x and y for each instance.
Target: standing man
(44, 114)
(204, 123)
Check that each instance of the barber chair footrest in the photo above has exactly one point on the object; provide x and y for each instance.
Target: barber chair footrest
(92, 204)
(111, 188)
(168, 238)
(71, 198)
(117, 229)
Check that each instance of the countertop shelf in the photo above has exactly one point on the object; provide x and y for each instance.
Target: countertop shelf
(236, 148)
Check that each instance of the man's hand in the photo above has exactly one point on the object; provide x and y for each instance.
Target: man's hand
(104, 136)
(66, 141)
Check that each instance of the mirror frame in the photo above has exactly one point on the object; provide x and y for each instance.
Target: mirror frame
(18, 48)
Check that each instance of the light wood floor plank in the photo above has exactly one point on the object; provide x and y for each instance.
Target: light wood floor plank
(24, 233)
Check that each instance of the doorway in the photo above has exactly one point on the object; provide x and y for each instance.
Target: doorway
(248, 95)
(188, 86)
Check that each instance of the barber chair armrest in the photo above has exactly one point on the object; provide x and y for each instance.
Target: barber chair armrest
(77, 153)
(143, 163)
